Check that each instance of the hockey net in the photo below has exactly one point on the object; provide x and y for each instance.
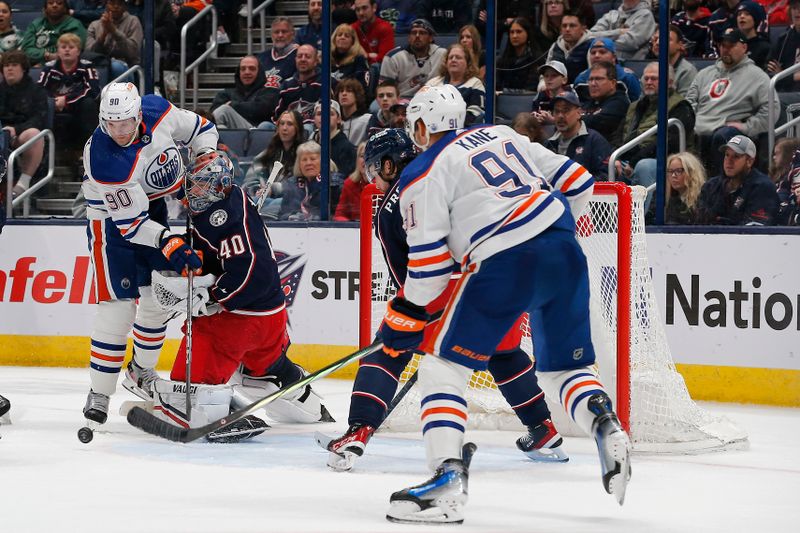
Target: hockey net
(633, 357)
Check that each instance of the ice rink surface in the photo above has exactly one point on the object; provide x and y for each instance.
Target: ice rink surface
(126, 480)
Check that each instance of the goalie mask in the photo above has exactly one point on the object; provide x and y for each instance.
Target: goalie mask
(387, 153)
(209, 180)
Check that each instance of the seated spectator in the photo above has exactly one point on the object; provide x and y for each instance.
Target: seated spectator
(790, 213)
(342, 12)
(574, 140)
(349, 206)
(375, 34)
(446, 16)
(721, 21)
(117, 35)
(786, 50)
(528, 125)
(10, 36)
(685, 72)
(386, 96)
(603, 49)
(23, 113)
(630, 27)
(729, 98)
(353, 103)
(459, 70)
(342, 151)
(301, 192)
(782, 174)
(279, 62)
(572, 46)
(640, 168)
(282, 147)
(399, 13)
(693, 23)
(311, 33)
(742, 194)
(411, 67)
(685, 178)
(249, 102)
(554, 75)
(517, 66)
(41, 36)
(301, 92)
(470, 39)
(397, 113)
(749, 18)
(73, 83)
(607, 105)
(87, 11)
(348, 60)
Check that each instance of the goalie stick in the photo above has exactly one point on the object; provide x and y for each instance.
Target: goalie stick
(147, 422)
(263, 192)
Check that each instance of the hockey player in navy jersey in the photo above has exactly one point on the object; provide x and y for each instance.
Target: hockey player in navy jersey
(241, 314)
(387, 153)
(131, 164)
(504, 209)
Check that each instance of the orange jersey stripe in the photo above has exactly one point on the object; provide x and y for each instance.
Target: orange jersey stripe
(429, 260)
(521, 209)
(103, 294)
(571, 179)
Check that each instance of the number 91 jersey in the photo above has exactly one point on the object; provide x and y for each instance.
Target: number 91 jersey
(120, 182)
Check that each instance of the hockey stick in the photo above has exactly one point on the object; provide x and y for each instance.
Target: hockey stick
(263, 192)
(147, 422)
(400, 395)
(189, 302)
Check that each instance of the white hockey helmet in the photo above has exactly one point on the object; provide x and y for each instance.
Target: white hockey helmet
(440, 108)
(120, 101)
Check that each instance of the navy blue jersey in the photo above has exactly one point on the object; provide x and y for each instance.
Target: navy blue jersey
(236, 247)
(389, 231)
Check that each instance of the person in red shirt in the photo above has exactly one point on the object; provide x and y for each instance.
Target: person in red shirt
(350, 200)
(375, 34)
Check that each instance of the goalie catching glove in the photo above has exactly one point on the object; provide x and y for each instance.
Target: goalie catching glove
(170, 294)
(403, 326)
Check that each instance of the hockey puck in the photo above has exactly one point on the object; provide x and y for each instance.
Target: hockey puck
(85, 435)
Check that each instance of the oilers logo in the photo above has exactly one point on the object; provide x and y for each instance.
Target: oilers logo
(164, 170)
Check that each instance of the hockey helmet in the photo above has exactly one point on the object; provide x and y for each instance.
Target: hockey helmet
(121, 102)
(440, 108)
(209, 179)
(388, 145)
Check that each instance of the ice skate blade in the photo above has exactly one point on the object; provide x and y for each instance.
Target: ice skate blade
(134, 389)
(548, 455)
(616, 480)
(342, 462)
(444, 511)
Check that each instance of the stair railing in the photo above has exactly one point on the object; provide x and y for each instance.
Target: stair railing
(196, 63)
(259, 10)
(25, 196)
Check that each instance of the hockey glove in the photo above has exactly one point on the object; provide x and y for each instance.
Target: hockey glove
(180, 256)
(403, 326)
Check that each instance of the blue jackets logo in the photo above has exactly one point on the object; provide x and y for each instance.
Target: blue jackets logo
(164, 170)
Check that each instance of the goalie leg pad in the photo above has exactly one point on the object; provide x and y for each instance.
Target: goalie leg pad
(113, 321)
(444, 410)
(209, 402)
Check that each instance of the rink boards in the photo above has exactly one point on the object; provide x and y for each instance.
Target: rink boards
(730, 303)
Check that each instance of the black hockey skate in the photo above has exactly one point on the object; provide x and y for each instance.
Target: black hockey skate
(347, 448)
(5, 405)
(543, 444)
(439, 500)
(139, 380)
(613, 445)
(96, 408)
(246, 428)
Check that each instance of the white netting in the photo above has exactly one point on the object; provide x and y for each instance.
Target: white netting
(663, 417)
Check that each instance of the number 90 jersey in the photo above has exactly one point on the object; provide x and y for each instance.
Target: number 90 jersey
(120, 182)
(479, 191)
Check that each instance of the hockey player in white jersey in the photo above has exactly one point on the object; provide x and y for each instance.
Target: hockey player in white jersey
(132, 163)
(504, 209)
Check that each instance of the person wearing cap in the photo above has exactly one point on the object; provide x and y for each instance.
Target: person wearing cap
(604, 49)
(630, 27)
(729, 98)
(749, 17)
(572, 46)
(607, 105)
(786, 50)
(302, 90)
(554, 75)
(249, 102)
(741, 194)
(693, 24)
(412, 66)
(118, 35)
(684, 70)
(342, 151)
(397, 113)
(575, 140)
(40, 40)
(460, 70)
(375, 34)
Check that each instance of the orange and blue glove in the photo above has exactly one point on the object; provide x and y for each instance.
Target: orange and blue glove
(403, 326)
(179, 254)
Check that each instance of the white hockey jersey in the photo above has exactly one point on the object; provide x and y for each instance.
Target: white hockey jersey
(476, 192)
(120, 182)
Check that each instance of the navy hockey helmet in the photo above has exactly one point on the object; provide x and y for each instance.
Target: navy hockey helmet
(209, 179)
(392, 145)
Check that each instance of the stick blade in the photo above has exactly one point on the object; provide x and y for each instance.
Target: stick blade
(147, 422)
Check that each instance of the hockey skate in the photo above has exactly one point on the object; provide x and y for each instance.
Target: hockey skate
(246, 428)
(139, 380)
(439, 500)
(543, 444)
(613, 445)
(347, 448)
(5, 406)
(96, 408)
